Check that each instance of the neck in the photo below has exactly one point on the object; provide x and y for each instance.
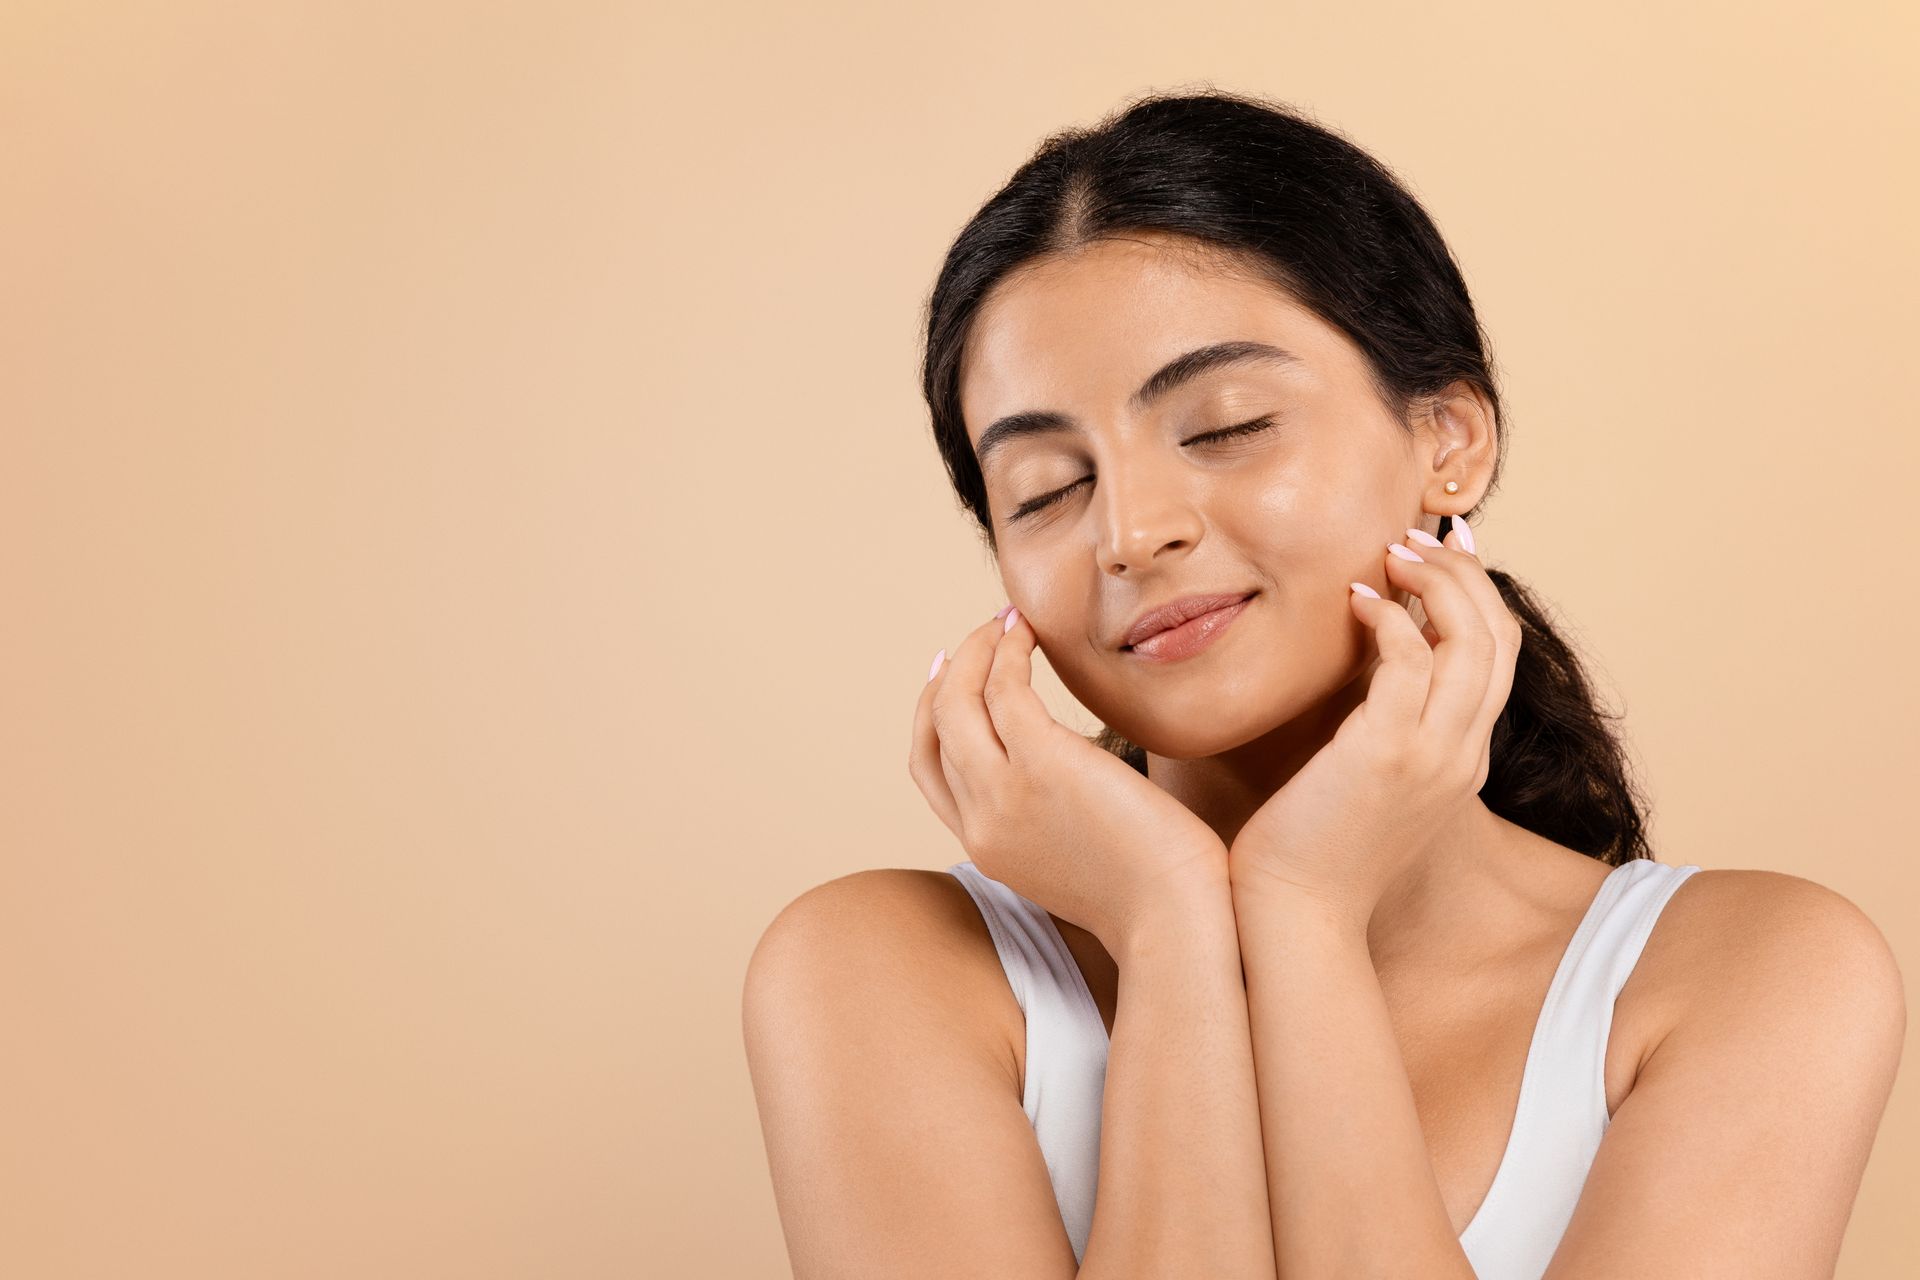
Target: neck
(1431, 907)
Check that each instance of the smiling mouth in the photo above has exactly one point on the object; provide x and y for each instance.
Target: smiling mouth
(1189, 637)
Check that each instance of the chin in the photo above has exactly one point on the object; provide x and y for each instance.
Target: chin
(1194, 739)
(1204, 722)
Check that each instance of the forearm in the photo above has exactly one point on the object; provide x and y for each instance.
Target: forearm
(1350, 1182)
(1182, 1183)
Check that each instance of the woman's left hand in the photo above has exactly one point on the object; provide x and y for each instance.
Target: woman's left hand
(1404, 761)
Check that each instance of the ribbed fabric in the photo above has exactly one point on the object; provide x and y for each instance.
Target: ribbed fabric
(1558, 1121)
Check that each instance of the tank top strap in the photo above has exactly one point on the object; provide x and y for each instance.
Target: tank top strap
(1066, 1043)
(1578, 1020)
(1561, 1114)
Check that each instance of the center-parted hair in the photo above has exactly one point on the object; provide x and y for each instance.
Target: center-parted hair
(1262, 188)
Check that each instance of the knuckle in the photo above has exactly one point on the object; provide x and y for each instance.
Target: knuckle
(994, 820)
(980, 833)
(1432, 759)
(1394, 759)
(998, 693)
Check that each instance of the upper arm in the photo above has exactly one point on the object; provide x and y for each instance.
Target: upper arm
(1742, 1144)
(889, 1105)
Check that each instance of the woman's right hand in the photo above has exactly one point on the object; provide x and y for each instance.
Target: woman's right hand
(1059, 820)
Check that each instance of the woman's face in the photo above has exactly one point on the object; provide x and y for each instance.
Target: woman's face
(1120, 509)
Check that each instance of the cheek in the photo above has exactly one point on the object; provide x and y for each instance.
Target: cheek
(1272, 508)
(1306, 534)
(1054, 594)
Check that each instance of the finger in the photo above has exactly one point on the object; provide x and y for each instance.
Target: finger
(969, 748)
(1019, 717)
(1474, 578)
(1465, 658)
(1506, 628)
(1398, 688)
(923, 756)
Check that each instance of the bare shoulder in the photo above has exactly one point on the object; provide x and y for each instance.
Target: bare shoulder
(878, 1050)
(914, 931)
(1731, 940)
(1742, 1144)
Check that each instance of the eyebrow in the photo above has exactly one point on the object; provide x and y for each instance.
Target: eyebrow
(1176, 372)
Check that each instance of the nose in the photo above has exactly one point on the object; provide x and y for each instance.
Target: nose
(1146, 516)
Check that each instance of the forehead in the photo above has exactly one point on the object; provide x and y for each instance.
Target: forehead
(1085, 330)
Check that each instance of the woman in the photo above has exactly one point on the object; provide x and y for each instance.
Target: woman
(1341, 951)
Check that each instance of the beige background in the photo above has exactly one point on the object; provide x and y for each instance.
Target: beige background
(470, 545)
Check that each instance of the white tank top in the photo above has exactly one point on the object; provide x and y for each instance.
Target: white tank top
(1558, 1121)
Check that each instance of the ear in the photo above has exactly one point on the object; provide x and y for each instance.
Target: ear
(1457, 436)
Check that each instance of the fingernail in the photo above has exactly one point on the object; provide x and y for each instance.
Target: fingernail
(1364, 589)
(1424, 538)
(1001, 612)
(1461, 527)
(1405, 554)
(934, 670)
(1013, 616)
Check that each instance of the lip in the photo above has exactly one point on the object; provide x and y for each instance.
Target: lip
(1183, 627)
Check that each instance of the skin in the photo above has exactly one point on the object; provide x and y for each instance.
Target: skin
(1361, 941)
(1313, 910)
(1296, 512)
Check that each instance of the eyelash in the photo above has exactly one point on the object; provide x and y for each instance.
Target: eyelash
(1208, 437)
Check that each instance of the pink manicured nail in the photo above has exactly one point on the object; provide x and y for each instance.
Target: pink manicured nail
(1013, 616)
(934, 670)
(1424, 538)
(1465, 531)
(1405, 554)
(1364, 589)
(1001, 612)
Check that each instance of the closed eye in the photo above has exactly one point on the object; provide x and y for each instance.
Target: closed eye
(1045, 500)
(1227, 433)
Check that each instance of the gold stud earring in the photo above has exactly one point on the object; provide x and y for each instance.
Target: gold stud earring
(1453, 486)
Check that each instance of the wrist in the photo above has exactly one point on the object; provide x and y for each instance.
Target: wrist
(1266, 895)
(1197, 913)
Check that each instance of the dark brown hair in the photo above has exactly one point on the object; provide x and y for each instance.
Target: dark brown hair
(1265, 186)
